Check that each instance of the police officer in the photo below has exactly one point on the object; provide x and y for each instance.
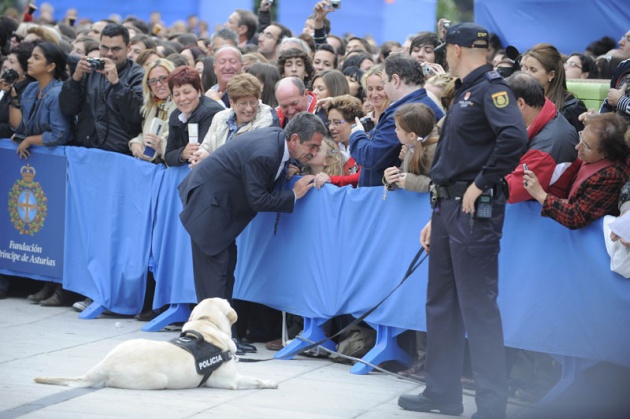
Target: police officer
(482, 140)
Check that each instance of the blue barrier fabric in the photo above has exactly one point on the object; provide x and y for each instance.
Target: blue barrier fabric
(170, 245)
(32, 204)
(340, 251)
(108, 227)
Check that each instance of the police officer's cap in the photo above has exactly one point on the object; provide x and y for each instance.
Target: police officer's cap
(468, 35)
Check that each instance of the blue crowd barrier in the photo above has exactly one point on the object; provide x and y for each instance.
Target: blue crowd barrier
(339, 252)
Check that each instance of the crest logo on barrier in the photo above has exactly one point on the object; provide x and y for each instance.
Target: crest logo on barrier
(27, 203)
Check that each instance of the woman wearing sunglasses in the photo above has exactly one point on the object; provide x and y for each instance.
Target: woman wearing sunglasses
(150, 145)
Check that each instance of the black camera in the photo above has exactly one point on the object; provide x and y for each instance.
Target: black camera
(10, 76)
(368, 124)
(336, 4)
(96, 63)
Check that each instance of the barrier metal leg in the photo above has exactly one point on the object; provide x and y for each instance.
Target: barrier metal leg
(571, 368)
(175, 313)
(92, 311)
(385, 349)
(312, 331)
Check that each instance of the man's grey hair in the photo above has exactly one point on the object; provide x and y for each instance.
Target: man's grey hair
(305, 125)
(227, 34)
(292, 40)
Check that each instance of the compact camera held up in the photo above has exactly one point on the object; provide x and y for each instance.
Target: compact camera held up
(96, 63)
(10, 76)
(335, 4)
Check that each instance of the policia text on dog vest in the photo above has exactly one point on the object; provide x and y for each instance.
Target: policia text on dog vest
(208, 357)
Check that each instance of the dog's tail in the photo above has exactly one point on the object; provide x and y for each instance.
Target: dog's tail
(90, 379)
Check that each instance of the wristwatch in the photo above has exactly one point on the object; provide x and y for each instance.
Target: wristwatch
(15, 103)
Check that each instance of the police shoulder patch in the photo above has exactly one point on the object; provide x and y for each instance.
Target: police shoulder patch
(500, 99)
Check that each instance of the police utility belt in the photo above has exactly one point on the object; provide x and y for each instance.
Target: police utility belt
(208, 357)
(456, 190)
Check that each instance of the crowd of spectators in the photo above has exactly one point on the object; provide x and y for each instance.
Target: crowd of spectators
(174, 95)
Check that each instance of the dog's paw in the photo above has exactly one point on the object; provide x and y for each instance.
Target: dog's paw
(268, 384)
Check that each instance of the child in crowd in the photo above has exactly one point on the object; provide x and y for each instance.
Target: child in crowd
(415, 123)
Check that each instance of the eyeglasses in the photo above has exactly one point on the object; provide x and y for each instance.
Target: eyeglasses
(572, 64)
(243, 104)
(335, 123)
(106, 49)
(161, 79)
(17, 37)
(586, 146)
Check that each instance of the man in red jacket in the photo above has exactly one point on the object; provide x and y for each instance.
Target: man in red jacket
(551, 146)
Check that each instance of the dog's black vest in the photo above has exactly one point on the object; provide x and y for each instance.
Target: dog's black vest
(208, 357)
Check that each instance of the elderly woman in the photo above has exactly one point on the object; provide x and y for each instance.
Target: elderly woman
(246, 113)
(191, 120)
(150, 144)
(544, 62)
(297, 63)
(603, 170)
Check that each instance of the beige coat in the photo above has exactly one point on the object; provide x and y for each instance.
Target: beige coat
(218, 132)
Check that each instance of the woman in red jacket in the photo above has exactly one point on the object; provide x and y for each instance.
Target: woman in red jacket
(603, 170)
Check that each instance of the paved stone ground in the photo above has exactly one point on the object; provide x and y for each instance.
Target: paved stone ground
(53, 341)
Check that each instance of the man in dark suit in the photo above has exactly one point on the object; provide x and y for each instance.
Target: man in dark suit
(223, 193)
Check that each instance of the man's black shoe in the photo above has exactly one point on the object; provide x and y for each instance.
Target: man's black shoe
(420, 403)
(243, 348)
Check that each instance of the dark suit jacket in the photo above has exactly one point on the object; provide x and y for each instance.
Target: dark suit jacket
(223, 193)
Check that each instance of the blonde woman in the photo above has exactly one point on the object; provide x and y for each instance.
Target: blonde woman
(376, 99)
(328, 160)
(157, 105)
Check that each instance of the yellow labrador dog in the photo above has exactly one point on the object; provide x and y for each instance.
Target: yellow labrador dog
(144, 364)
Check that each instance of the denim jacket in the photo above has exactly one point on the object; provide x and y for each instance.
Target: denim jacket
(43, 116)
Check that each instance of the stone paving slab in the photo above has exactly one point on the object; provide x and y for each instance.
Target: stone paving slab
(53, 341)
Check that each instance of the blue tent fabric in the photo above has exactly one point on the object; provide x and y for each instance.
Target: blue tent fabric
(108, 227)
(570, 25)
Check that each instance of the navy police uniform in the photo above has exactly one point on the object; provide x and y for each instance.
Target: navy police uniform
(482, 140)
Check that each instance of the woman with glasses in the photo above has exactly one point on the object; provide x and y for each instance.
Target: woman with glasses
(603, 170)
(150, 144)
(342, 111)
(191, 120)
(544, 62)
(246, 113)
(580, 66)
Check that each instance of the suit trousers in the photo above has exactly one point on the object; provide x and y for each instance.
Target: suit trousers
(214, 275)
(462, 298)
